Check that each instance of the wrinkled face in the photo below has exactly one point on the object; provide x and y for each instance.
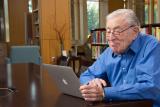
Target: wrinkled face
(119, 34)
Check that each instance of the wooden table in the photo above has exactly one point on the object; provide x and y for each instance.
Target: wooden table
(35, 88)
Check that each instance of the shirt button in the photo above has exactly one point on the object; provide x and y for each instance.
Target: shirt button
(123, 68)
(110, 100)
(124, 81)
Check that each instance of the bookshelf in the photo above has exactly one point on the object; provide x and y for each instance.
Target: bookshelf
(152, 29)
(152, 11)
(99, 42)
(152, 18)
(35, 23)
(148, 11)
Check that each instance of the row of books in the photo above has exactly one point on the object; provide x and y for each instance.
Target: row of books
(97, 50)
(152, 11)
(99, 37)
(155, 31)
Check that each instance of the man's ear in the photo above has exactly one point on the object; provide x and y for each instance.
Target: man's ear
(136, 29)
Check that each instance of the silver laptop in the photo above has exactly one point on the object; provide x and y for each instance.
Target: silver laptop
(65, 78)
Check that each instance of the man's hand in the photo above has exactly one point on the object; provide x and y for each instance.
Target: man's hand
(98, 82)
(94, 90)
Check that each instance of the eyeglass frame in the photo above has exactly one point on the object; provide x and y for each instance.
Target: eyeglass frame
(117, 32)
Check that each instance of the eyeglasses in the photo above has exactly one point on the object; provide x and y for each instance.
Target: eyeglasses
(116, 32)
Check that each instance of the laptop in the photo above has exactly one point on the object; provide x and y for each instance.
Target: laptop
(65, 79)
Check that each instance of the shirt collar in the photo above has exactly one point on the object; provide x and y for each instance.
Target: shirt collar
(134, 47)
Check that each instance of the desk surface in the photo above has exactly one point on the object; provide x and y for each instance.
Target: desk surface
(35, 90)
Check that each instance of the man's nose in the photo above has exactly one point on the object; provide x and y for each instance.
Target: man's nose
(111, 36)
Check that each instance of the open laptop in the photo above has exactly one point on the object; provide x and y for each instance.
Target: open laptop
(65, 78)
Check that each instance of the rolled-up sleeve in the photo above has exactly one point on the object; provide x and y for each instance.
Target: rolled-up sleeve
(97, 70)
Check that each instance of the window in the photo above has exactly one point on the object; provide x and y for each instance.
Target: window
(87, 15)
(93, 15)
(30, 6)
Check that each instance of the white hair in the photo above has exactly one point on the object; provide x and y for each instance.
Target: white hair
(128, 14)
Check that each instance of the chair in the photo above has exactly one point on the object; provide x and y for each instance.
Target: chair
(63, 60)
(70, 61)
(25, 54)
(85, 53)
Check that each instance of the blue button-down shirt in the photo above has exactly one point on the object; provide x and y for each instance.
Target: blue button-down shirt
(133, 75)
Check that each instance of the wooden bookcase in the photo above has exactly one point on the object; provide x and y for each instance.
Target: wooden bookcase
(148, 12)
(152, 18)
(152, 29)
(99, 42)
(35, 40)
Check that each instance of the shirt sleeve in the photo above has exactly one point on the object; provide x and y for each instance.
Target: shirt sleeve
(148, 82)
(96, 70)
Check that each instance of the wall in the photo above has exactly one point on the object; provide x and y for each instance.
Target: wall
(54, 14)
(17, 10)
(2, 22)
(114, 5)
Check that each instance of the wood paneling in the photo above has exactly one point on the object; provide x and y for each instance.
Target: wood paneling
(3, 52)
(114, 5)
(2, 22)
(17, 10)
(54, 14)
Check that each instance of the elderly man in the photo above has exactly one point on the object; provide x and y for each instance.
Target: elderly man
(131, 64)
